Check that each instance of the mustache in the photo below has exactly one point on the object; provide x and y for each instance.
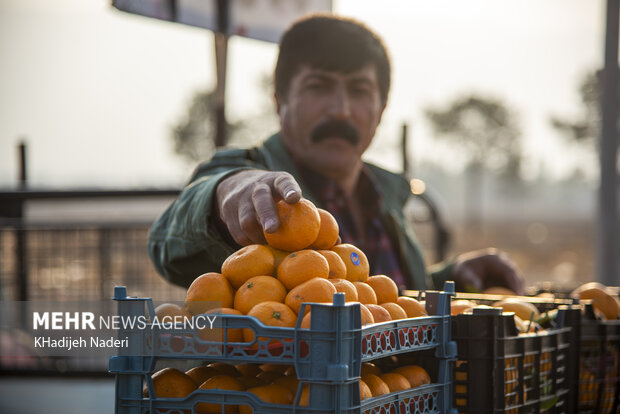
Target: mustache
(335, 128)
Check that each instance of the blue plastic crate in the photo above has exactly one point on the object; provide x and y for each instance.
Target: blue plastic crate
(327, 356)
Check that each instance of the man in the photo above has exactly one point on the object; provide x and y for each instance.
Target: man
(332, 80)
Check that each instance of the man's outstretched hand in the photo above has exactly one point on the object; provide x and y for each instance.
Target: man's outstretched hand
(246, 202)
(478, 270)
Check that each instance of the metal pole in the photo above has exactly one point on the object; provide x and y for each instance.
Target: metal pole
(404, 139)
(221, 51)
(608, 249)
(21, 242)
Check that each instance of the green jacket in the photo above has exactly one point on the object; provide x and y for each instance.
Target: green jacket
(184, 243)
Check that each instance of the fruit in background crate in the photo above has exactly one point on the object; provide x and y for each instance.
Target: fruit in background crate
(412, 307)
(171, 383)
(301, 266)
(217, 334)
(395, 381)
(247, 262)
(314, 290)
(272, 394)
(354, 260)
(225, 368)
(525, 326)
(219, 382)
(248, 369)
(171, 313)
(605, 303)
(201, 374)
(365, 294)
(346, 287)
(377, 386)
(396, 312)
(370, 368)
(379, 313)
(364, 391)
(289, 382)
(384, 287)
(304, 398)
(499, 290)
(269, 376)
(523, 310)
(256, 290)
(299, 226)
(328, 231)
(415, 374)
(208, 291)
(272, 314)
(460, 306)
(337, 269)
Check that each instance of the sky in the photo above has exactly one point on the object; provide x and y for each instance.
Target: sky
(94, 92)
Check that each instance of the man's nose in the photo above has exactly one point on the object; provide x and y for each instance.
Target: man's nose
(340, 106)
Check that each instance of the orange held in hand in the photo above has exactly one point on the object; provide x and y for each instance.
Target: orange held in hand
(328, 232)
(247, 262)
(301, 266)
(299, 226)
(208, 291)
(355, 261)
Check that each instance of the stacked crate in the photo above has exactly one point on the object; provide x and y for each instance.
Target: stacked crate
(327, 357)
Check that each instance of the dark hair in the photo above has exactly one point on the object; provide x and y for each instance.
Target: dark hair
(333, 43)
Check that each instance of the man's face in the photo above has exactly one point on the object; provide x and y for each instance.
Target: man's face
(328, 119)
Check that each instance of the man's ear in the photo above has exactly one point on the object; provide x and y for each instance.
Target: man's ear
(278, 100)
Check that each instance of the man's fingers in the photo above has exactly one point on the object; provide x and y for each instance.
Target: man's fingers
(286, 187)
(265, 208)
(237, 234)
(249, 224)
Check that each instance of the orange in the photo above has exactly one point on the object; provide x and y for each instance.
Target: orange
(377, 386)
(461, 305)
(168, 313)
(258, 289)
(384, 287)
(523, 310)
(225, 368)
(299, 226)
(395, 381)
(289, 382)
(314, 290)
(278, 256)
(172, 383)
(304, 398)
(346, 287)
(305, 322)
(281, 368)
(337, 269)
(370, 368)
(272, 394)
(219, 382)
(248, 369)
(217, 334)
(269, 376)
(415, 374)
(379, 313)
(499, 290)
(301, 266)
(355, 261)
(328, 231)
(201, 374)
(250, 382)
(291, 371)
(412, 307)
(272, 314)
(365, 294)
(602, 301)
(208, 291)
(364, 391)
(366, 315)
(247, 262)
(396, 312)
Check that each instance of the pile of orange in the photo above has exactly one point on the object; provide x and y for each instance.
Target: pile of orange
(302, 262)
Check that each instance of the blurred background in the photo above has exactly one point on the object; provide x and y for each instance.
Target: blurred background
(493, 114)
